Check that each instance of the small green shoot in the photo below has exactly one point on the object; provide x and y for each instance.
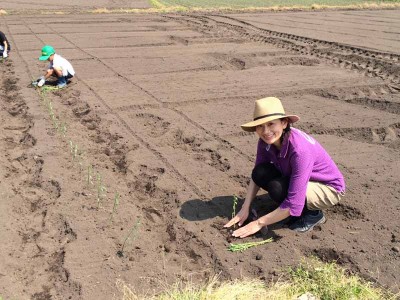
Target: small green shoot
(74, 149)
(130, 237)
(244, 246)
(234, 205)
(71, 147)
(116, 202)
(81, 160)
(75, 152)
(62, 128)
(101, 189)
(89, 177)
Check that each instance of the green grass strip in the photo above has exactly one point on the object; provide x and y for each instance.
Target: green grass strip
(325, 281)
(235, 4)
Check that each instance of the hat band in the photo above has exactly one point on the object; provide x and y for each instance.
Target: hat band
(270, 115)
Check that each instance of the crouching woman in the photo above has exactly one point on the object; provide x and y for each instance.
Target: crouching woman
(293, 168)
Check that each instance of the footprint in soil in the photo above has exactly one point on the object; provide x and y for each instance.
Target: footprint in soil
(153, 125)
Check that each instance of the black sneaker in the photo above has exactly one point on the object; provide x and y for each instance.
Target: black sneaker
(308, 221)
(287, 222)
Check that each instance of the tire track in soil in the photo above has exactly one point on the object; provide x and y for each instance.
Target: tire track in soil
(44, 234)
(372, 63)
(179, 238)
(320, 30)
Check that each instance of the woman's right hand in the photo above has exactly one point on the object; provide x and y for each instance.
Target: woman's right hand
(240, 217)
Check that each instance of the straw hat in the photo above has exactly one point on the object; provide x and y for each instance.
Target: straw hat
(267, 109)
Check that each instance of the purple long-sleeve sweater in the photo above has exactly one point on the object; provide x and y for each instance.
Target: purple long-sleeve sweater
(302, 159)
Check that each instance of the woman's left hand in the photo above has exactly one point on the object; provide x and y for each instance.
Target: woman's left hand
(247, 230)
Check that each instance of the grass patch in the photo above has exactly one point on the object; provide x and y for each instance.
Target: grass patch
(101, 11)
(313, 277)
(166, 6)
(268, 5)
(240, 4)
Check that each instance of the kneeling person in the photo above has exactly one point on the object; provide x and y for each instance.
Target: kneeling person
(4, 45)
(293, 168)
(59, 67)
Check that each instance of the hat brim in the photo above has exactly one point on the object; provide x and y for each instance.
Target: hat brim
(45, 57)
(251, 126)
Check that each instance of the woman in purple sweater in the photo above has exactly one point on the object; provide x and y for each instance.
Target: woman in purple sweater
(293, 168)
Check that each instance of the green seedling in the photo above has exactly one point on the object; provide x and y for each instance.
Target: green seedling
(75, 152)
(50, 108)
(80, 160)
(116, 202)
(130, 237)
(244, 246)
(101, 189)
(62, 128)
(89, 178)
(71, 148)
(53, 117)
(234, 205)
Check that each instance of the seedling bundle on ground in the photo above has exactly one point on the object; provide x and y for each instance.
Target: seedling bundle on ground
(244, 246)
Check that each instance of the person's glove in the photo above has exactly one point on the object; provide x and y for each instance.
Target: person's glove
(41, 81)
(5, 55)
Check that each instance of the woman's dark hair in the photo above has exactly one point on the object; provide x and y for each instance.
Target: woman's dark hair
(286, 131)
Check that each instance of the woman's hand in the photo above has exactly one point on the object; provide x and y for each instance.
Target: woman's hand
(247, 230)
(241, 216)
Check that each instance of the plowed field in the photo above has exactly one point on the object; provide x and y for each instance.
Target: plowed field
(153, 115)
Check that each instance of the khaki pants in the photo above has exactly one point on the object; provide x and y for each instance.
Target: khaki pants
(321, 196)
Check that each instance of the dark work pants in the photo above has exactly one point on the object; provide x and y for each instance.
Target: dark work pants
(269, 178)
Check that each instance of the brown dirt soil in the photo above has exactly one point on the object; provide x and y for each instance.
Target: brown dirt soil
(60, 6)
(155, 110)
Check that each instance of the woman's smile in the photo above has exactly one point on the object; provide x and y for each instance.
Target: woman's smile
(272, 131)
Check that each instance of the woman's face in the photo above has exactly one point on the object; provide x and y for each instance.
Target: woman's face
(272, 131)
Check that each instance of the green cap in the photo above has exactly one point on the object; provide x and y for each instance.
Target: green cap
(47, 51)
